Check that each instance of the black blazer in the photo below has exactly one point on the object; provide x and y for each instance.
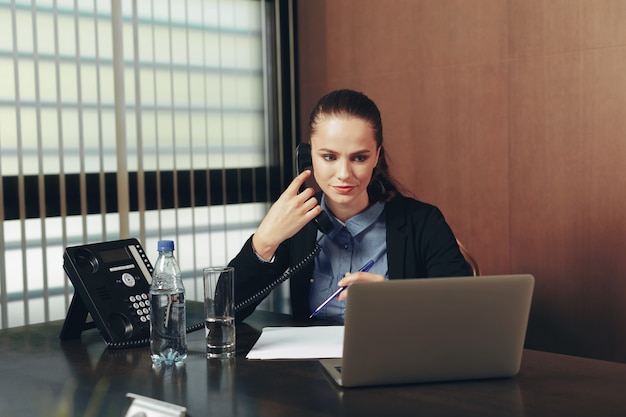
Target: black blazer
(420, 244)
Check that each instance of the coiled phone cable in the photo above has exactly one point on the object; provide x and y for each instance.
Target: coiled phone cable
(323, 223)
(289, 272)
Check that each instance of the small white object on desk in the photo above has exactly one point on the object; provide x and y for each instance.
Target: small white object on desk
(149, 407)
(312, 342)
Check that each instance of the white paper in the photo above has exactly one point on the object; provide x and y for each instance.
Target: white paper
(313, 342)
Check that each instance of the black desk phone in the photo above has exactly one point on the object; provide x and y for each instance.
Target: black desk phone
(112, 284)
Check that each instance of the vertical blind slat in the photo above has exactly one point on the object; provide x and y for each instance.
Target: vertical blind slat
(120, 118)
(190, 155)
(206, 131)
(103, 206)
(157, 111)
(20, 169)
(62, 187)
(4, 320)
(173, 118)
(40, 168)
(220, 49)
(81, 134)
(141, 199)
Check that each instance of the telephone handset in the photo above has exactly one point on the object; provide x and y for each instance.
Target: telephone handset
(322, 221)
(305, 161)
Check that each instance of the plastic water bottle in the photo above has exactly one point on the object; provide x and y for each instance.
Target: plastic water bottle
(168, 338)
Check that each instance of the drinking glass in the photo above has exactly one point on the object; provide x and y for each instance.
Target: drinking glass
(219, 311)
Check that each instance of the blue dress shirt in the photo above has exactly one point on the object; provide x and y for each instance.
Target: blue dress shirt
(347, 248)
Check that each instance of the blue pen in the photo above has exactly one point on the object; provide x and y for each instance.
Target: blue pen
(364, 268)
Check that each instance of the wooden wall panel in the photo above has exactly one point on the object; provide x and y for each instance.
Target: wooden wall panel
(459, 136)
(458, 32)
(548, 156)
(510, 116)
(602, 23)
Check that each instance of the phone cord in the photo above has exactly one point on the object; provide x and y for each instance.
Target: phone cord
(145, 342)
(289, 272)
(247, 302)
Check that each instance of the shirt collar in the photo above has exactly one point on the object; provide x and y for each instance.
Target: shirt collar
(357, 223)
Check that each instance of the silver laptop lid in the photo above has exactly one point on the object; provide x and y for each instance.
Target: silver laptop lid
(437, 329)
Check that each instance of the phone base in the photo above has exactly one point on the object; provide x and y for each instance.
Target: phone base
(76, 320)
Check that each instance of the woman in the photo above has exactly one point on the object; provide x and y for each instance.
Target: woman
(372, 220)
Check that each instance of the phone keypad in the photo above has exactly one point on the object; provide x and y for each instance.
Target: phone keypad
(141, 304)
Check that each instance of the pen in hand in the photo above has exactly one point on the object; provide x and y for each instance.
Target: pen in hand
(364, 268)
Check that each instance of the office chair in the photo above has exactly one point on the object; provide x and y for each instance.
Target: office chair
(469, 258)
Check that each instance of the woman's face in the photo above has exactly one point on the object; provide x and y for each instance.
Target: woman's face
(344, 153)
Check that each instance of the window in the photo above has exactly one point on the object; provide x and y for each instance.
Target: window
(152, 119)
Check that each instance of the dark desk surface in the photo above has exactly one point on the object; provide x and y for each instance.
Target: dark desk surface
(39, 374)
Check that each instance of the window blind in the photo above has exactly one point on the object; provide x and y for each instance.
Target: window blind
(153, 119)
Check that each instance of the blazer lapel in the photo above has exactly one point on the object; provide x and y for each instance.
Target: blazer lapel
(396, 224)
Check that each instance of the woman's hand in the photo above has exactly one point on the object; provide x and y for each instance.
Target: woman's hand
(286, 217)
(352, 277)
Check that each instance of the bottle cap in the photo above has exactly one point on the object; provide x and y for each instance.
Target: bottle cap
(167, 245)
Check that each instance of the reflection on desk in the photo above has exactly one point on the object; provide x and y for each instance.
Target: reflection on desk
(38, 371)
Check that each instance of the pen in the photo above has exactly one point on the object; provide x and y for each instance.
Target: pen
(364, 268)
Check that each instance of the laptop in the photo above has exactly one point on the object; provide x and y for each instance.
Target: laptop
(431, 330)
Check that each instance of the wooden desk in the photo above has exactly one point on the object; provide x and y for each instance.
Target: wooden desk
(38, 372)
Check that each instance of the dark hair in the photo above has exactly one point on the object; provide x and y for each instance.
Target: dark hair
(353, 103)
